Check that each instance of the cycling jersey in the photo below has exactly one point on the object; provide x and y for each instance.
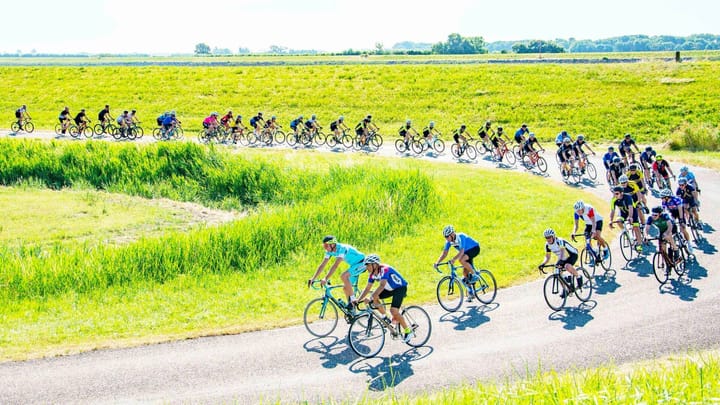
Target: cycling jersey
(661, 167)
(335, 125)
(662, 222)
(686, 194)
(561, 248)
(577, 146)
(79, 118)
(528, 144)
(461, 242)
(391, 276)
(608, 158)
(589, 215)
(690, 178)
(209, 120)
(617, 168)
(626, 146)
(559, 138)
(255, 120)
(404, 130)
(309, 124)
(427, 131)
(673, 205)
(647, 157)
(168, 120)
(565, 152)
(519, 134)
(346, 252)
(101, 115)
(485, 131)
(225, 118)
(294, 124)
(624, 204)
(637, 179)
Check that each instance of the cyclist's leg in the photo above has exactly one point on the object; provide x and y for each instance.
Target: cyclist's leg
(398, 295)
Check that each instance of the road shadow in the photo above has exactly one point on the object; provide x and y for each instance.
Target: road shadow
(705, 247)
(388, 372)
(574, 317)
(333, 351)
(641, 265)
(470, 318)
(680, 287)
(606, 282)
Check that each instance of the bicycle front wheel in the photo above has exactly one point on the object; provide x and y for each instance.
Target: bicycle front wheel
(320, 317)
(584, 292)
(450, 293)
(400, 145)
(554, 292)
(626, 247)
(485, 287)
(419, 321)
(279, 137)
(660, 268)
(471, 152)
(366, 336)
(28, 127)
(591, 171)
(542, 164)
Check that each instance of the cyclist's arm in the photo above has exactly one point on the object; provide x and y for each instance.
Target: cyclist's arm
(547, 259)
(459, 254)
(319, 269)
(379, 290)
(366, 291)
(442, 256)
(333, 268)
(575, 228)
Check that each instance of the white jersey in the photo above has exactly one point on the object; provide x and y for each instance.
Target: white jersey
(562, 248)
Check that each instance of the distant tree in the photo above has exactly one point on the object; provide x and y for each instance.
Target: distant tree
(276, 49)
(537, 46)
(457, 44)
(221, 51)
(379, 46)
(202, 49)
(242, 50)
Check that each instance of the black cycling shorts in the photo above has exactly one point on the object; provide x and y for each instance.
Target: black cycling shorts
(397, 295)
(571, 260)
(598, 227)
(472, 253)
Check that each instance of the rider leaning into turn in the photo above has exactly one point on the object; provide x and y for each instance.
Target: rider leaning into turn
(342, 252)
(624, 203)
(430, 132)
(391, 284)
(467, 247)
(566, 253)
(665, 225)
(22, 115)
(626, 147)
(675, 206)
(593, 225)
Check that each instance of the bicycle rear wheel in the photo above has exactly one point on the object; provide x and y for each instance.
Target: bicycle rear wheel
(419, 321)
(509, 155)
(486, 287)
(320, 317)
(591, 171)
(553, 292)
(366, 335)
(15, 127)
(450, 293)
(542, 164)
(455, 150)
(660, 268)
(584, 292)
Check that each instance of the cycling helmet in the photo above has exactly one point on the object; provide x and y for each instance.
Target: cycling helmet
(313, 117)
(627, 135)
(259, 114)
(581, 137)
(300, 117)
(171, 112)
(567, 140)
(239, 117)
(523, 126)
(564, 134)
(666, 192)
(549, 232)
(684, 169)
(341, 118)
(648, 149)
(273, 118)
(657, 210)
(408, 122)
(82, 110)
(214, 114)
(462, 126)
(329, 239)
(531, 135)
(432, 124)
(633, 166)
(488, 123)
(658, 157)
(682, 180)
(133, 111)
(125, 112)
(611, 148)
(448, 230)
(579, 206)
(372, 258)
(623, 179)
(369, 117)
(229, 111)
(617, 189)
(616, 159)
(500, 129)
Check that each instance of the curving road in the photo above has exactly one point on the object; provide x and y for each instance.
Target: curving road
(629, 318)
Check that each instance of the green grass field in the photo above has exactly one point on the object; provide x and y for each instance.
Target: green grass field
(651, 99)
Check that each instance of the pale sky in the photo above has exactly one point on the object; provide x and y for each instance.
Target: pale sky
(163, 26)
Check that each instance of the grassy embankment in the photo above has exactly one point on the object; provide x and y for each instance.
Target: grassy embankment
(653, 100)
(250, 273)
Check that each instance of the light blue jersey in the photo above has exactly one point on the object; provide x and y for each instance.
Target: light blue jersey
(353, 257)
(462, 242)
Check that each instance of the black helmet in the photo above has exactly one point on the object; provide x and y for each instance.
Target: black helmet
(648, 149)
(462, 126)
(617, 189)
(657, 210)
(500, 129)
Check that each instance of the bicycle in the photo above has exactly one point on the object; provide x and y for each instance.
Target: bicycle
(591, 256)
(343, 139)
(663, 265)
(81, 129)
(570, 170)
(589, 168)
(451, 291)
(62, 126)
(321, 314)
(628, 242)
(373, 141)
(504, 152)
(401, 146)
(458, 150)
(366, 335)
(317, 136)
(533, 159)
(26, 126)
(557, 287)
(419, 146)
(216, 135)
(174, 132)
(104, 128)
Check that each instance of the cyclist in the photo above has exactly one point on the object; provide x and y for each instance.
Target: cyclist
(580, 153)
(392, 284)
(690, 176)
(271, 125)
(257, 122)
(635, 175)
(593, 225)
(527, 146)
(407, 132)
(210, 123)
(312, 125)
(238, 127)
(496, 140)
(665, 225)
(520, 137)
(633, 190)
(560, 138)
(81, 120)
(226, 120)
(22, 115)
(662, 170)
(468, 248)
(122, 121)
(566, 155)
(342, 252)
(159, 120)
(616, 170)
(65, 118)
(363, 128)
(104, 117)
(430, 133)
(626, 148)
(646, 160)
(674, 205)
(459, 135)
(484, 133)
(338, 127)
(624, 203)
(296, 125)
(168, 124)
(566, 253)
(134, 121)
(689, 196)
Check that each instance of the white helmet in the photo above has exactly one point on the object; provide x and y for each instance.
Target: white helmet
(549, 232)
(623, 179)
(448, 230)
(579, 206)
(371, 258)
(666, 192)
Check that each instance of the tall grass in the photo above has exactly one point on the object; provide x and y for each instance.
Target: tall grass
(696, 137)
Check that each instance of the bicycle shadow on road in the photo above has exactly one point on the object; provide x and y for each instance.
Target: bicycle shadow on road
(681, 288)
(470, 318)
(384, 373)
(333, 351)
(641, 266)
(574, 317)
(606, 283)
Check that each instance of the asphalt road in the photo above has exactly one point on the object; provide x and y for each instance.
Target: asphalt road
(630, 317)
